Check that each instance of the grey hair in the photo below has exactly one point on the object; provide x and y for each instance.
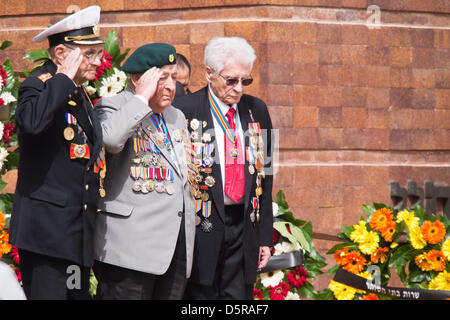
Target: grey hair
(220, 49)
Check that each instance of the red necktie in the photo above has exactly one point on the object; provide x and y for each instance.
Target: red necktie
(234, 167)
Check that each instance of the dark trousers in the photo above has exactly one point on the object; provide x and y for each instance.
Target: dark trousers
(48, 278)
(117, 283)
(229, 283)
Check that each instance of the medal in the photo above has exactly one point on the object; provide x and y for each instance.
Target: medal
(198, 220)
(137, 186)
(258, 191)
(69, 134)
(150, 185)
(252, 216)
(234, 153)
(205, 196)
(159, 187)
(210, 181)
(194, 124)
(102, 192)
(207, 161)
(206, 225)
(78, 151)
(170, 189)
(251, 169)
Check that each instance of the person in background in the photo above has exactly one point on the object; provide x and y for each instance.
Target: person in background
(183, 75)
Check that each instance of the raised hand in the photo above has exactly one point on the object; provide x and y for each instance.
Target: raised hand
(148, 83)
(69, 66)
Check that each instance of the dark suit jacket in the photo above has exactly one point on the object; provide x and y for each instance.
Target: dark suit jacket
(208, 245)
(55, 203)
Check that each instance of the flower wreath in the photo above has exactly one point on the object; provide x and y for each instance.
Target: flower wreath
(290, 235)
(415, 244)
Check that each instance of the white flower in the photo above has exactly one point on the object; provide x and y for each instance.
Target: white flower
(3, 155)
(7, 97)
(110, 87)
(271, 278)
(284, 247)
(292, 296)
(91, 90)
(120, 76)
(2, 127)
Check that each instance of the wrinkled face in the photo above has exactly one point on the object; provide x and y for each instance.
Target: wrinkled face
(229, 94)
(92, 55)
(183, 77)
(165, 92)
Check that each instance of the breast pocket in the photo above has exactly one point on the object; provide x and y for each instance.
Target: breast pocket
(117, 208)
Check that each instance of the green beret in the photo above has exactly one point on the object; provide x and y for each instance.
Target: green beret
(148, 56)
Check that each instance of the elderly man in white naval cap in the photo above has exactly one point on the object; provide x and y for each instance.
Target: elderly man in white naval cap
(61, 163)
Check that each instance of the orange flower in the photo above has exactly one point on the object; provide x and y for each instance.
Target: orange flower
(370, 296)
(379, 255)
(381, 219)
(388, 233)
(433, 232)
(437, 259)
(355, 262)
(340, 257)
(2, 220)
(423, 263)
(5, 246)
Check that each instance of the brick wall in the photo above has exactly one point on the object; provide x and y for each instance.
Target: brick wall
(357, 105)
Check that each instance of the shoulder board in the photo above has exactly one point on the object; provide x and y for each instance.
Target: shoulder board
(45, 76)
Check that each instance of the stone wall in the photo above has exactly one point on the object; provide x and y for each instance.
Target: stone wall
(359, 90)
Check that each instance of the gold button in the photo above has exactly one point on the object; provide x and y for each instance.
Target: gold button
(87, 187)
(85, 207)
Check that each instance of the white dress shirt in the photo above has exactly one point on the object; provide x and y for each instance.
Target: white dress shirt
(219, 134)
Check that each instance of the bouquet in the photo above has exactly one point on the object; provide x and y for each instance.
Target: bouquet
(295, 255)
(412, 242)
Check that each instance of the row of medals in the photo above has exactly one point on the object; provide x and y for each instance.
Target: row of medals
(80, 149)
(152, 159)
(200, 176)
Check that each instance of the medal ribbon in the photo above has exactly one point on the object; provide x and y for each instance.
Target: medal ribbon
(221, 119)
(206, 209)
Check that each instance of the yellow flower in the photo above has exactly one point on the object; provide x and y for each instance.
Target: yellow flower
(440, 282)
(423, 263)
(416, 238)
(394, 245)
(359, 233)
(369, 243)
(341, 291)
(408, 217)
(446, 249)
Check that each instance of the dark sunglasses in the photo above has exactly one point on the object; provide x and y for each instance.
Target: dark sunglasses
(231, 82)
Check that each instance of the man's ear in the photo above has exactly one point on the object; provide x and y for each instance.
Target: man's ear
(208, 73)
(59, 54)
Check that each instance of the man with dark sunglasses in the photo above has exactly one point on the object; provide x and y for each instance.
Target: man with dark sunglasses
(232, 152)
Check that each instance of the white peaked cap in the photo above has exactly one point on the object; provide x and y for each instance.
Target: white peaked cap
(79, 27)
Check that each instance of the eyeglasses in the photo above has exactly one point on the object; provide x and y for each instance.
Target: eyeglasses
(91, 56)
(231, 82)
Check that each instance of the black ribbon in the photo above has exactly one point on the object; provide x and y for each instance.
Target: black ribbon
(357, 282)
(283, 261)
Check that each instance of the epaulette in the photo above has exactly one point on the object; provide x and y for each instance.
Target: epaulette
(45, 76)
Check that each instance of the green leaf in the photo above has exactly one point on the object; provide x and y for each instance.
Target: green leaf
(369, 210)
(36, 55)
(325, 294)
(280, 199)
(295, 236)
(5, 44)
(307, 290)
(341, 246)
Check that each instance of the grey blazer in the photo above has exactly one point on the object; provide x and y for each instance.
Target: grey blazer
(135, 230)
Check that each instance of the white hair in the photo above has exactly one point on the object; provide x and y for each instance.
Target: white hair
(220, 49)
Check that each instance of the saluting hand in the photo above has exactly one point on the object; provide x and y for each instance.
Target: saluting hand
(148, 83)
(69, 66)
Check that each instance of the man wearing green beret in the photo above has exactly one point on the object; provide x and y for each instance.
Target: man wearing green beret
(144, 236)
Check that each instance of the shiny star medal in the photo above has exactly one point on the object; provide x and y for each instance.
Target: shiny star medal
(206, 224)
